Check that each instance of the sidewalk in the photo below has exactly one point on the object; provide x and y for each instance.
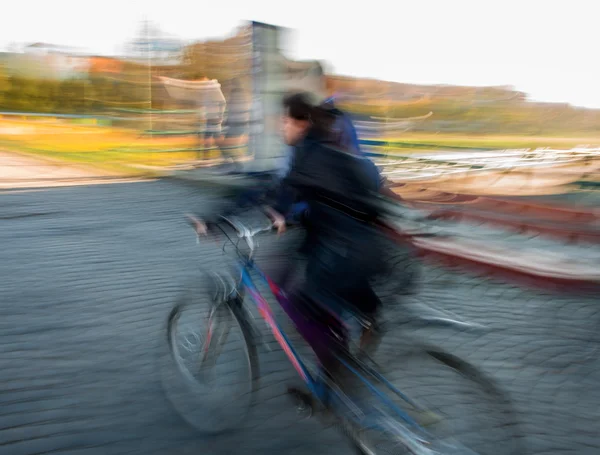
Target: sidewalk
(20, 171)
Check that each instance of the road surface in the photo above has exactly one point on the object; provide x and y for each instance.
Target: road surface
(89, 274)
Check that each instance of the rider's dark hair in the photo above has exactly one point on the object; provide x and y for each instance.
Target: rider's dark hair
(299, 106)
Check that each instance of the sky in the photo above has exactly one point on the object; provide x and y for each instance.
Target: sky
(547, 48)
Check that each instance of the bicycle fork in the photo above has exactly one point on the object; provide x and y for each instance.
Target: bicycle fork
(219, 325)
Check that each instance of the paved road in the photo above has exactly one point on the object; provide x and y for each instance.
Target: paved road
(89, 274)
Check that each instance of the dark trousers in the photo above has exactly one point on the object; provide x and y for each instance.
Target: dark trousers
(340, 283)
(333, 284)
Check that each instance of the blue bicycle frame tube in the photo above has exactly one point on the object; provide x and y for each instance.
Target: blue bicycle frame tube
(315, 385)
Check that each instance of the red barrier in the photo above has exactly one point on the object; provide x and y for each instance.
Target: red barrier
(566, 231)
(548, 211)
(581, 215)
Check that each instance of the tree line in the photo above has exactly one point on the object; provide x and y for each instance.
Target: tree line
(137, 87)
(519, 117)
(94, 95)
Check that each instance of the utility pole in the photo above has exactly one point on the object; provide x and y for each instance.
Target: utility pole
(149, 44)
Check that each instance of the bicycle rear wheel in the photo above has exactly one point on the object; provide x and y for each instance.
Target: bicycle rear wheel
(210, 371)
(458, 409)
(401, 275)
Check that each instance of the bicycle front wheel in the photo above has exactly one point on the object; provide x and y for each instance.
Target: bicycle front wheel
(210, 372)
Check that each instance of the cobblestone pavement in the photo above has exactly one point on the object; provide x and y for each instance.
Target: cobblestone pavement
(90, 273)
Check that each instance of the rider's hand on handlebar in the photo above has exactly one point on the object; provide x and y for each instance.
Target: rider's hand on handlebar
(279, 224)
(199, 225)
(277, 218)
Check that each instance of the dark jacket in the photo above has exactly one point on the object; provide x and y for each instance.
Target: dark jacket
(340, 193)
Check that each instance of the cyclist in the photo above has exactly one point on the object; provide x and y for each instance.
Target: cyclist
(338, 187)
(343, 134)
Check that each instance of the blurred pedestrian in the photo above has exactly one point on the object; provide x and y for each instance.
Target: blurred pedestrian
(237, 121)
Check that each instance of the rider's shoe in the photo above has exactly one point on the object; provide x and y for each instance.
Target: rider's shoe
(424, 417)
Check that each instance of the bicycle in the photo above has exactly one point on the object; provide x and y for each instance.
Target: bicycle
(361, 422)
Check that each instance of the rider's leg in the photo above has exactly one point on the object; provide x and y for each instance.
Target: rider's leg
(331, 279)
(369, 304)
(325, 285)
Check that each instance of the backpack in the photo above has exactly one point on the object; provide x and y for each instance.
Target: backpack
(348, 139)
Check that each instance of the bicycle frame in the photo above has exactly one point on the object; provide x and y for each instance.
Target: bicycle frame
(316, 385)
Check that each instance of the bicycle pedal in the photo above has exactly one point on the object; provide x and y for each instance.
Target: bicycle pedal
(304, 401)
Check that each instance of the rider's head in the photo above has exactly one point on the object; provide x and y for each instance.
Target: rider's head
(301, 115)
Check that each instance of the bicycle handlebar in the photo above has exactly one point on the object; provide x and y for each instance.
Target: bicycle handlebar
(247, 234)
(241, 230)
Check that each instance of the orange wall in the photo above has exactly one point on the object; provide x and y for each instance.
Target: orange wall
(105, 65)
